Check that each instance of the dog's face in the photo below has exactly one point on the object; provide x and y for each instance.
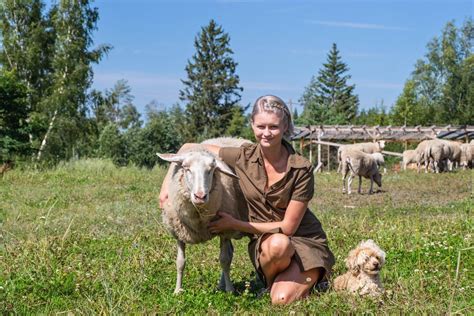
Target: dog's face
(367, 258)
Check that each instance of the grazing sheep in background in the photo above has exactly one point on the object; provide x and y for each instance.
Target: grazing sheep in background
(420, 155)
(200, 185)
(455, 154)
(360, 164)
(364, 264)
(368, 148)
(437, 152)
(409, 156)
(467, 156)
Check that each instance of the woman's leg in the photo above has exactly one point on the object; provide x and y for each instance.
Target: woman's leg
(292, 284)
(276, 252)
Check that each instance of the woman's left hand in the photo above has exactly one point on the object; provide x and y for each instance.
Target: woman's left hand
(225, 222)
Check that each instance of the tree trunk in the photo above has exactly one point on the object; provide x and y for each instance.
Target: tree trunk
(45, 139)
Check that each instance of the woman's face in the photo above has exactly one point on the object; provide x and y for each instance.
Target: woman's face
(268, 128)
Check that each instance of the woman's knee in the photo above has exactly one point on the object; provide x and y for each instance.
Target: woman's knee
(278, 246)
(283, 296)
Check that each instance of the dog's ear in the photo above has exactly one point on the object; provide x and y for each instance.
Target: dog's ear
(351, 262)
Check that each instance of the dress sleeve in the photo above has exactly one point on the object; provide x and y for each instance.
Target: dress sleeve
(304, 185)
(230, 155)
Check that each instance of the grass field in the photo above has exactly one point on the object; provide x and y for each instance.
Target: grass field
(87, 238)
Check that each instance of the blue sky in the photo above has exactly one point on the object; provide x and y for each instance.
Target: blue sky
(278, 45)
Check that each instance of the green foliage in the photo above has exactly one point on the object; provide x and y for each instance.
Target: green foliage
(329, 99)
(159, 135)
(111, 144)
(376, 115)
(87, 237)
(444, 80)
(14, 140)
(239, 126)
(409, 109)
(52, 56)
(211, 91)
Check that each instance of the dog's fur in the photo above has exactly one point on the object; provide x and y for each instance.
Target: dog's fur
(364, 264)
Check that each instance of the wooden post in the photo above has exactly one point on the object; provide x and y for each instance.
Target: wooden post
(329, 158)
(406, 145)
(319, 148)
(310, 145)
(301, 145)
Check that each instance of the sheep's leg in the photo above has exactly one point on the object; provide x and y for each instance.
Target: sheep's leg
(349, 182)
(227, 252)
(371, 184)
(344, 175)
(180, 263)
(360, 185)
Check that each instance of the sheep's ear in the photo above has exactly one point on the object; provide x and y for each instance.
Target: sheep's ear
(223, 167)
(177, 158)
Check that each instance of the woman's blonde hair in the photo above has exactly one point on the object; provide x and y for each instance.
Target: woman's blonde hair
(273, 104)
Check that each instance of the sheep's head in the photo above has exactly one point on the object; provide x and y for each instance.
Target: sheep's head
(381, 144)
(198, 168)
(367, 258)
(378, 179)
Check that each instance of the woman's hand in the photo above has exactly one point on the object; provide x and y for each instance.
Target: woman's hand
(225, 222)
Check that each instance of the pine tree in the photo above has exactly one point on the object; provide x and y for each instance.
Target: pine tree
(329, 99)
(211, 90)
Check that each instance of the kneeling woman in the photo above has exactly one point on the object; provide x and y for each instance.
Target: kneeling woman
(288, 249)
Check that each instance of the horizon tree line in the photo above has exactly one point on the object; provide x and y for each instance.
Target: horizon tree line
(49, 113)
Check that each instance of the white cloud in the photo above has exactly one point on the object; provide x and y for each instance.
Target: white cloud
(356, 25)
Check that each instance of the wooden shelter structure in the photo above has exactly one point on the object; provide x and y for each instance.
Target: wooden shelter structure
(337, 135)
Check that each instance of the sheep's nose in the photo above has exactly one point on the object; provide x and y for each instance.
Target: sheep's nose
(200, 196)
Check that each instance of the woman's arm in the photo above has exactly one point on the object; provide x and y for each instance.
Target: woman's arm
(163, 197)
(290, 223)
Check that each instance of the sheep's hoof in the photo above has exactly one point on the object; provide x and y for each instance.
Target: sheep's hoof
(178, 291)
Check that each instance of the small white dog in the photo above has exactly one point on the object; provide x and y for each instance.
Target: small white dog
(364, 264)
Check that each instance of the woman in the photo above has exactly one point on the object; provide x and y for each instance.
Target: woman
(289, 248)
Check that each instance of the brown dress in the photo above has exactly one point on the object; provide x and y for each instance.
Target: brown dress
(309, 240)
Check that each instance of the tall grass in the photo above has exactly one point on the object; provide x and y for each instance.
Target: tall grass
(87, 237)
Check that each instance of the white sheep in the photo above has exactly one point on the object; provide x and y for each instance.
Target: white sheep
(200, 185)
(368, 148)
(420, 155)
(467, 155)
(409, 156)
(455, 154)
(360, 164)
(438, 152)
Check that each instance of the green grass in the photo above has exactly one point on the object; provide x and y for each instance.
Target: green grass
(87, 237)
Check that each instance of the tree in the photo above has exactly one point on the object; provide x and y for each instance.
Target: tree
(408, 109)
(115, 106)
(329, 99)
(211, 90)
(13, 115)
(112, 144)
(73, 23)
(161, 133)
(443, 79)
